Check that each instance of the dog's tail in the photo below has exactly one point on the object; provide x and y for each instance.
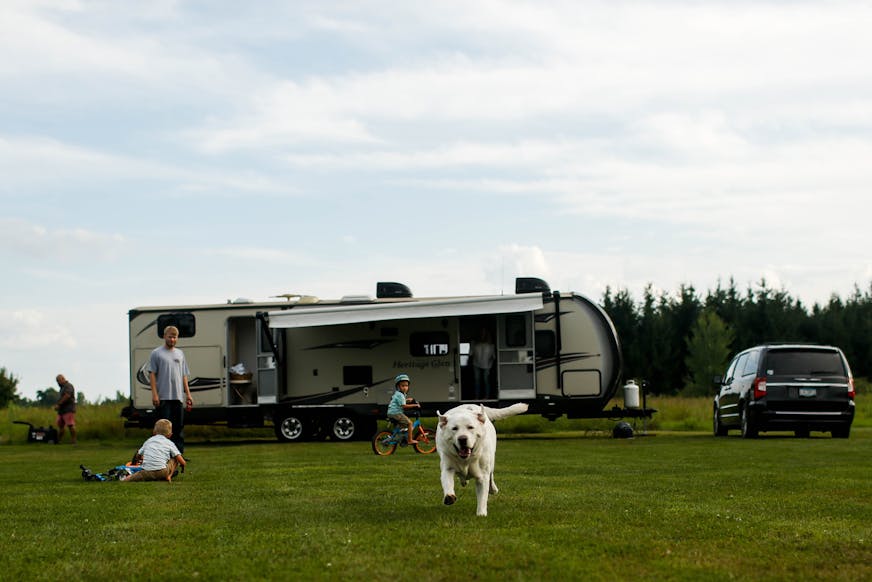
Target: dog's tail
(501, 413)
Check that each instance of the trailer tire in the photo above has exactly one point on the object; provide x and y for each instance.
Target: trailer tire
(290, 427)
(344, 427)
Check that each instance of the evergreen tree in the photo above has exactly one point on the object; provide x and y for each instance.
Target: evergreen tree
(622, 312)
(8, 388)
(708, 351)
(680, 314)
(654, 342)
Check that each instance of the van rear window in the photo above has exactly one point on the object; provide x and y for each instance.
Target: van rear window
(804, 363)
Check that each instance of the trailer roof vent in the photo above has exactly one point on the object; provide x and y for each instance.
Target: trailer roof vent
(531, 285)
(356, 299)
(387, 290)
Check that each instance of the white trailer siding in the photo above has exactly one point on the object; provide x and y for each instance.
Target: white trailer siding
(315, 365)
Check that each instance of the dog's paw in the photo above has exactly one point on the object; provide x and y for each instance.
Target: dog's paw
(449, 499)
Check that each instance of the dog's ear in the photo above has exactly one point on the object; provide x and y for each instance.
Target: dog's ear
(481, 414)
(443, 420)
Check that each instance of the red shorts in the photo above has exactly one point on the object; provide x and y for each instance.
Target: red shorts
(66, 419)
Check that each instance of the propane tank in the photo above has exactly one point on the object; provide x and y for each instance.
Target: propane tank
(631, 394)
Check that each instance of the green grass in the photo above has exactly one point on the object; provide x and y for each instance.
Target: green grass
(676, 506)
(103, 423)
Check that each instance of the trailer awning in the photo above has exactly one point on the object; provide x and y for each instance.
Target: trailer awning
(314, 315)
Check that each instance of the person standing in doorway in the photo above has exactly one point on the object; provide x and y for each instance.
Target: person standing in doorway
(66, 407)
(168, 375)
(482, 355)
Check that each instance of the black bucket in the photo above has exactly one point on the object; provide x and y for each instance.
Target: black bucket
(39, 434)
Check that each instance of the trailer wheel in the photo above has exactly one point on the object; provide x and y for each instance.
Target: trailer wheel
(289, 427)
(344, 427)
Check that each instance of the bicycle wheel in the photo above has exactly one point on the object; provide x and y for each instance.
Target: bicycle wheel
(383, 443)
(426, 441)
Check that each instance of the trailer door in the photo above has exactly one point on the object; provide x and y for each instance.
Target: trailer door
(267, 367)
(516, 363)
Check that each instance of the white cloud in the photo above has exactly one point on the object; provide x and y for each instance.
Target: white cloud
(261, 254)
(87, 343)
(33, 329)
(34, 163)
(529, 154)
(523, 261)
(20, 238)
(735, 60)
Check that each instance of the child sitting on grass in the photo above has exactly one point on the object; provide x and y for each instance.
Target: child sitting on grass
(160, 456)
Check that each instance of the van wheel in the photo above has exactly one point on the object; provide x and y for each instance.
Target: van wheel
(344, 428)
(717, 427)
(749, 429)
(841, 433)
(289, 427)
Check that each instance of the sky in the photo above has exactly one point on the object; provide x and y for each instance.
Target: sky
(176, 152)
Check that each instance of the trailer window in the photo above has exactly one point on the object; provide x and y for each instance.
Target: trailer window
(465, 348)
(428, 343)
(184, 321)
(357, 375)
(546, 344)
(516, 331)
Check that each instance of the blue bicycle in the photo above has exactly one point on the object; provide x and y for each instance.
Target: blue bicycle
(385, 442)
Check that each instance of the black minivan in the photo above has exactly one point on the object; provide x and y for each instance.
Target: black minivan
(786, 387)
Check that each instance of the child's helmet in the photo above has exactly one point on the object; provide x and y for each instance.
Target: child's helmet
(401, 378)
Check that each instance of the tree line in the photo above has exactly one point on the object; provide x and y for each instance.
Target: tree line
(677, 343)
(45, 398)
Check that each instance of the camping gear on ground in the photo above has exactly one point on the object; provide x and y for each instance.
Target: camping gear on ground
(117, 473)
(622, 430)
(40, 434)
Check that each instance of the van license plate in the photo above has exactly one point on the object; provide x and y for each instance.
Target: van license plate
(807, 392)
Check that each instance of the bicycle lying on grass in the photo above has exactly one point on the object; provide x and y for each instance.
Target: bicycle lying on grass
(385, 442)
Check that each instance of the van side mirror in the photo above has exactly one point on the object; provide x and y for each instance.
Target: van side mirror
(718, 380)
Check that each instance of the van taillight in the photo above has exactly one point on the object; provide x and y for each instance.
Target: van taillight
(851, 392)
(759, 388)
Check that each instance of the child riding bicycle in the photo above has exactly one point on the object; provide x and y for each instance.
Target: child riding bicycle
(401, 402)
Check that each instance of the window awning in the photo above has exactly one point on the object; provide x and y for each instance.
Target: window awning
(315, 315)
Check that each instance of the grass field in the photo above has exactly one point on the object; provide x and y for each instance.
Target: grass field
(675, 506)
(103, 423)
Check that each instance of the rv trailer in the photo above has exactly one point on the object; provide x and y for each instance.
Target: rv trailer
(318, 368)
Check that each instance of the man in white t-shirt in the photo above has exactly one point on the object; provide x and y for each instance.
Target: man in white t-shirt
(159, 455)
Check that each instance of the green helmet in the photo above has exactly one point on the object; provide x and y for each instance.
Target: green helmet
(402, 378)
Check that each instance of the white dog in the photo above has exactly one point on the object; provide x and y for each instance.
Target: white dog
(467, 445)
